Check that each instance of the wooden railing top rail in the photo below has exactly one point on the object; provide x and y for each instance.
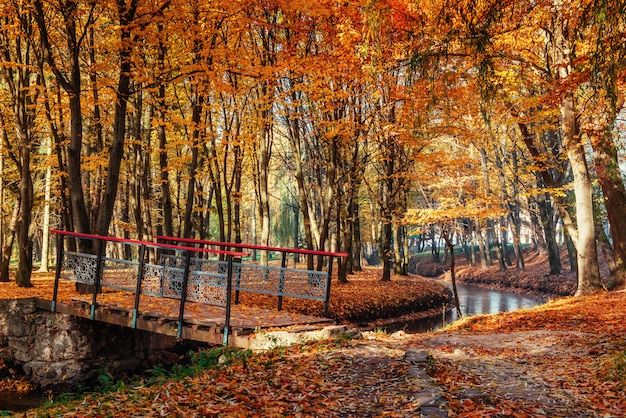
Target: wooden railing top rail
(147, 243)
(249, 246)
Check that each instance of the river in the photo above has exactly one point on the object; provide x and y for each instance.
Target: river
(474, 300)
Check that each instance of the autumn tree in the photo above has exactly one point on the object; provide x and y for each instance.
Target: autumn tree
(604, 26)
(17, 45)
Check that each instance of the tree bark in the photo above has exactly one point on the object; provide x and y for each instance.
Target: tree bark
(612, 184)
(24, 239)
(161, 109)
(450, 246)
(126, 15)
(587, 259)
(263, 155)
(7, 248)
(196, 113)
(357, 250)
(43, 267)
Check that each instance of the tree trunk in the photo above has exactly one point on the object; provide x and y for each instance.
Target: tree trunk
(472, 242)
(342, 231)
(190, 200)
(7, 248)
(498, 246)
(450, 247)
(296, 231)
(482, 248)
(295, 139)
(137, 167)
(489, 242)
(434, 247)
(94, 186)
(145, 179)
(545, 214)
(504, 240)
(516, 222)
(329, 196)
(405, 253)
(24, 239)
(387, 206)
(3, 235)
(386, 250)
(357, 250)
(610, 179)
(239, 154)
(517, 246)
(126, 15)
(264, 152)
(72, 86)
(572, 255)
(43, 267)
(587, 260)
(397, 249)
(607, 252)
(585, 240)
(161, 109)
(537, 237)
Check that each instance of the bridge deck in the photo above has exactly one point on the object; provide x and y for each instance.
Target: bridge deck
(250, 327)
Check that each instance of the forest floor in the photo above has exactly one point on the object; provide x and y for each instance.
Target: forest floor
(564, 358)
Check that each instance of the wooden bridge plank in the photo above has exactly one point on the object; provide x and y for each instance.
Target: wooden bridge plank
(203, 322)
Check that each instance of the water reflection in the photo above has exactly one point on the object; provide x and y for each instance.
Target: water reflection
(474, 300)
(16, 402)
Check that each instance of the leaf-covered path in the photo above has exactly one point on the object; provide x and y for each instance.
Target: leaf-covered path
(566, 358)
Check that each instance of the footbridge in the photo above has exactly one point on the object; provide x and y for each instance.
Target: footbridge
(189, 288)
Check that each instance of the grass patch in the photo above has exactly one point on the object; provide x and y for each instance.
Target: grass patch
(615, 368)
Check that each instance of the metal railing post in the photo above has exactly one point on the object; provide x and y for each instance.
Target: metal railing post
(57, 273)
(183, 296)
(96, 280)
(281, 281)
(238, 280)
(229, 282)
(328, 281)
(142, 262)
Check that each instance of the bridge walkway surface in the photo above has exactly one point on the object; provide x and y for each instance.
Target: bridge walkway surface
(189, 291)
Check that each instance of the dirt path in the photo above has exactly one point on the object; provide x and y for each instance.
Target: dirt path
(529, 373)
(530, 367)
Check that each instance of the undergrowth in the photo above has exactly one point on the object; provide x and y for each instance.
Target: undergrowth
(198, 361)
(615, 368)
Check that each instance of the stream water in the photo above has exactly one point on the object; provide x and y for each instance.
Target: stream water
(474, 300)
(16, 402)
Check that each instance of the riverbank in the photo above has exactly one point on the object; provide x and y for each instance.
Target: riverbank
(534, 279)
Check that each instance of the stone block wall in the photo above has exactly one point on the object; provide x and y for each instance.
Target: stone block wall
(61, 351)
